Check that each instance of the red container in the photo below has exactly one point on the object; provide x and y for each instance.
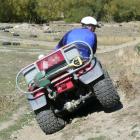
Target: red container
(64, 85)
(49, 61)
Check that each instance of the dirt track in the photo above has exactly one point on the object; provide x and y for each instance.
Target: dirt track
(120, 125)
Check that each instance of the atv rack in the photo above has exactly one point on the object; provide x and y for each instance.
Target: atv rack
(69, 55)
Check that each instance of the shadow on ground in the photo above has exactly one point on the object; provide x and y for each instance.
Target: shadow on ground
(92, 106)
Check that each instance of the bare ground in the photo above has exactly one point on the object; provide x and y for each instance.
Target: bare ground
(96, 124)
(92, 123)
(119, 125)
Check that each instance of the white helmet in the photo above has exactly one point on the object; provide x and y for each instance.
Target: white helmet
(89, 20)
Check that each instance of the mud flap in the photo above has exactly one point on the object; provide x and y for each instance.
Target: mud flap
(93, 74)
(38, 102)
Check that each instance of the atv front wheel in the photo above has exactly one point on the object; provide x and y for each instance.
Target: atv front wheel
(105, 92)
(49, 122)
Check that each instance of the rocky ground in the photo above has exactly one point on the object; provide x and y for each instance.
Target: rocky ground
(122, 61)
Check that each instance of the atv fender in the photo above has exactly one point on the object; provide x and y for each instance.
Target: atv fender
(93, 74)
(37, 102)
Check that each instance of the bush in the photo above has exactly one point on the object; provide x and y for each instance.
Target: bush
(69, 10)
(75, 14)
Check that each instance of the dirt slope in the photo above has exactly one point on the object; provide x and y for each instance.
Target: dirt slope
(122, 124)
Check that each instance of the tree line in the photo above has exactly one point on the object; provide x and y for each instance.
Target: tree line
(40, 11)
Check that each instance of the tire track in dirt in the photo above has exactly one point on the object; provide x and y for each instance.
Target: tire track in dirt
(116, 47)
(27, 41)
(102, 49)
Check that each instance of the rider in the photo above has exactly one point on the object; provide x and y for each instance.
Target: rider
(85, 34)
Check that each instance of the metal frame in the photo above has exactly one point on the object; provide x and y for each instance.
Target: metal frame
(63, 49)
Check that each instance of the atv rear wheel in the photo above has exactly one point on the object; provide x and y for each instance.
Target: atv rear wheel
(105, 92)
(49, 122)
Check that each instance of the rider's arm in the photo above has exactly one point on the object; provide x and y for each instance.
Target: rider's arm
(62, 42)
(94, 47)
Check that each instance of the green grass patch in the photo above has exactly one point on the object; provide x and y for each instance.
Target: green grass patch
(134, 133)
(11, 63)
(9, 106)
(135, 126)
(138, 48)
(24, 120)
(98, 138)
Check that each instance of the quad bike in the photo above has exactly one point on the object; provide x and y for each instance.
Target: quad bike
(62, 81)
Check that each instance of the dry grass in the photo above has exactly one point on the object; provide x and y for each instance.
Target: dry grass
(113, 40)
(5, 102)
(8, 103)
(11, 63)
(126, 86)
(23, 120)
